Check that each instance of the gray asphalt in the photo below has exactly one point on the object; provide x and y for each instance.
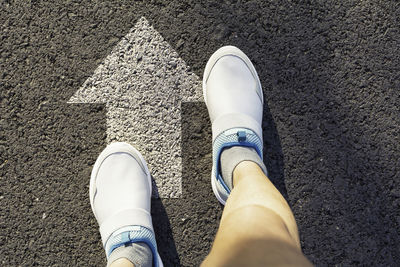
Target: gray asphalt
(331, 78)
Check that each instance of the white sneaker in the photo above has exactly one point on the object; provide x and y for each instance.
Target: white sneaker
(120, 196)
(233, 95)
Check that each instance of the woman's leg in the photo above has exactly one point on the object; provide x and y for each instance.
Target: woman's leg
(257, 227)
(122, 262)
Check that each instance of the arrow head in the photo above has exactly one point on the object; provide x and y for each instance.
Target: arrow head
(142, 66)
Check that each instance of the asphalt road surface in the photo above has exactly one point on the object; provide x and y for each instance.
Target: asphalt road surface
(330, 71)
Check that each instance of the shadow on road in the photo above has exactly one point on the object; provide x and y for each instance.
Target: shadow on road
(164, 236)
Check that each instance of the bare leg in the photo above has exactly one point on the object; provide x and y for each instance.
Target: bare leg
(257, 227)
(122, 262)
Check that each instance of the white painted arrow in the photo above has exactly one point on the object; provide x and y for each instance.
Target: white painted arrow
(143, 83)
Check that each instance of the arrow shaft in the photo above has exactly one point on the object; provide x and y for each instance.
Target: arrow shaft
(158, 139)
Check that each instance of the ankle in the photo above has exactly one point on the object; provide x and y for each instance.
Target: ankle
(130, 255)
(122, 262)
(245, 169)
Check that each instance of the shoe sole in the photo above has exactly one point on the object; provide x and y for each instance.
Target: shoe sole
(214, 187)
(227, 51)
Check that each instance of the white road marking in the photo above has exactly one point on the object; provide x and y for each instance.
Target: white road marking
(143, 83)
